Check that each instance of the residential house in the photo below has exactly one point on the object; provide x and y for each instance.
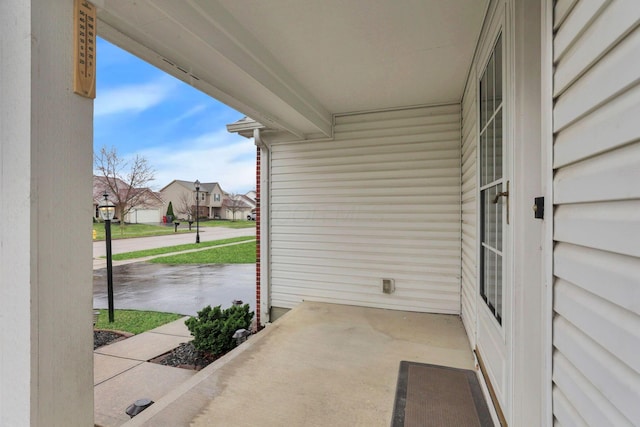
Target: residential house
(504, 133)
(140, 205)
(237, 206)
(251, 195)
(182, 195)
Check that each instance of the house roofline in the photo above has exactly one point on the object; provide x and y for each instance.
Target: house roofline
(245, 127)
(189, 185)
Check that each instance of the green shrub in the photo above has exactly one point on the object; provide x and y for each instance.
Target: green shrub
(213, 328)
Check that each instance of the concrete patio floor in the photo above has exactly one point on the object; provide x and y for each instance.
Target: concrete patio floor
(319, 365)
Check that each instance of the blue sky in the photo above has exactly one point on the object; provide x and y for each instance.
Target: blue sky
(181, 131)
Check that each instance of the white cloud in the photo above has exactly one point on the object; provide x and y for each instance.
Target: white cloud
(188, 114)
(132, 98)
(216, 157)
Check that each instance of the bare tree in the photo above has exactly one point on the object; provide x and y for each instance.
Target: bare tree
(124, 181)
(186, 206)
(234, 203)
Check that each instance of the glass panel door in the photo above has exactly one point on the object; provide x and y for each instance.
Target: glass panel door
(493, 189)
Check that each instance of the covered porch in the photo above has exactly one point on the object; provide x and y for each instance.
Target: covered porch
(398, 143)
(366, 122)
(366, 135)
(319, 365)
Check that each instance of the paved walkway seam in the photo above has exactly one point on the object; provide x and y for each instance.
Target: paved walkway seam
(119, 373)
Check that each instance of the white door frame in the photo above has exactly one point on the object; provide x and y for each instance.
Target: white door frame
(546, 125)
(528, 42)
(493, 340)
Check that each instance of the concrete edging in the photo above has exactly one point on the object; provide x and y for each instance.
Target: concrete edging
(199, 377)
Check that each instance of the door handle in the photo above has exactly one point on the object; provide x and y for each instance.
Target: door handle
(500, 194)
(504, 194)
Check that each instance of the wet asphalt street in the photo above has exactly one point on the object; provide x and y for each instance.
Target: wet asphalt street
(183, 289)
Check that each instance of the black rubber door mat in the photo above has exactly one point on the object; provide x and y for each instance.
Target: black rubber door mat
(432, 395)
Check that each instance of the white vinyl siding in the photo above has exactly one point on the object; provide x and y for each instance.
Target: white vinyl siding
(380, 200)
(469, 209)
(596, 327)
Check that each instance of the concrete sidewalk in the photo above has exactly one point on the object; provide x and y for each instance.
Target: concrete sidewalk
(123, 374)
(140, 243)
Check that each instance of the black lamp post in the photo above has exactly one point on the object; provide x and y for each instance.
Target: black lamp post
(197, 184)
(107, 212)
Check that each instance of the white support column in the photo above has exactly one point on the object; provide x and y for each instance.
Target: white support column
(46, 362)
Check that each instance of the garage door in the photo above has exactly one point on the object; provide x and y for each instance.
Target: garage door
(144, 216)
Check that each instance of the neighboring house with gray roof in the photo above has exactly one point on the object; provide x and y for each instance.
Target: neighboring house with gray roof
(182, 195)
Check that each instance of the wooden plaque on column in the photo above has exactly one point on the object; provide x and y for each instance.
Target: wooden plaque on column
(84, 48)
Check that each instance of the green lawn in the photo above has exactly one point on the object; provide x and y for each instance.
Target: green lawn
(134, 321)
(240, 223)
(244, 253)
(136, 230)
(177, 248)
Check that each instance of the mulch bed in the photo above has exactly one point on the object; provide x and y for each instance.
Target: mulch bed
(184, 356)
(187, 357)
(103, 337)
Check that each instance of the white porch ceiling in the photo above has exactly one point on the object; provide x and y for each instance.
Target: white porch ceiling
(293, 64)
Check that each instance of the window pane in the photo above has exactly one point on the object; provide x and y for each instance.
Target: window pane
(486, 218)
(497, 146)
(498, 296)
(490, 84)
(497, 209)
(483, 158)
(490, 169)
(483, 100)
(498, 72)
(483, 269)
(492, 217)
(491, 278)
(487, 276)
